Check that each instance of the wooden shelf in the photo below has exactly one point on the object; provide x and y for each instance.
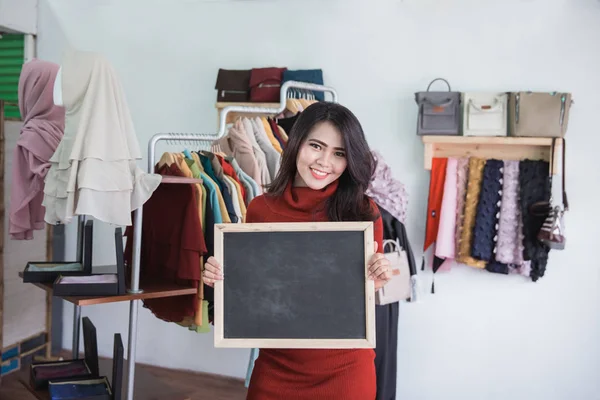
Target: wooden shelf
(150, 292)
(504, 148)
(179, 179)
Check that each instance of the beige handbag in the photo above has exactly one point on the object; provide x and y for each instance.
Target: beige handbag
(485, 114)
(538, 114)
(399, 287)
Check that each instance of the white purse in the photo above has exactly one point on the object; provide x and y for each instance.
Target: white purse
(485, 114)
(399, 287)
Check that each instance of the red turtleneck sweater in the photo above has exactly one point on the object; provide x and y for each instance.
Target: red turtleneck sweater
(309, 374)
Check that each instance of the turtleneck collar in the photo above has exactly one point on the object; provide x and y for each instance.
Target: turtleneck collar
(303, 202)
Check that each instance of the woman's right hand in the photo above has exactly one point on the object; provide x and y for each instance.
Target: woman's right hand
(212, 271)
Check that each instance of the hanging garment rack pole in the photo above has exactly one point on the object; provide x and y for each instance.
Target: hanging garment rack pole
(137, 231)
(76, 308)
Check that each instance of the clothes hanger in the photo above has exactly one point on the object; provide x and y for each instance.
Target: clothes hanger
(291, 104)
(216, 149)
(166, 159)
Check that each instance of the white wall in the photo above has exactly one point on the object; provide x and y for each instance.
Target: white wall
(481, 336)
(19, 16)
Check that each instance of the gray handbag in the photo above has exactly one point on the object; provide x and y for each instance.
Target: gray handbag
(539, 114)
(439, 112)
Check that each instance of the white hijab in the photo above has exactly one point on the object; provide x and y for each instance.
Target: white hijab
(93, 171)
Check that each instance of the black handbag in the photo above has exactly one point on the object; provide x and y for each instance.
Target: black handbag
(233, 85)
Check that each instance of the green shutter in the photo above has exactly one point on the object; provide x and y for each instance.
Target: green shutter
(12, 54)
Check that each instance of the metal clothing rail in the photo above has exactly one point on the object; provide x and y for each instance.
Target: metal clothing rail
(137, 231)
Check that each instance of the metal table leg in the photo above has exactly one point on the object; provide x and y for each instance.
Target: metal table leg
(76, 308)
(133, 305)
(132, 343)
(76, 330)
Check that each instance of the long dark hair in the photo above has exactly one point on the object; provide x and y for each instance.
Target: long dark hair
(349, 202)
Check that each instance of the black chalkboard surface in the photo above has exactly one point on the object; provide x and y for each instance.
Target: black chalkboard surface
(294, 285)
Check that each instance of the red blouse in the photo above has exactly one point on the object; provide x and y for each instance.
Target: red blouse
(309, 373)
(172, 246)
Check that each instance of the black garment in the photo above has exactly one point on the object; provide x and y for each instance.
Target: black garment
(386, 318)
(488, 208)
(533, 187)
(288, 123)
(392, 229)
(497, 267)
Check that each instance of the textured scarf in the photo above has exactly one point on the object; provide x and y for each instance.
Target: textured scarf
(386, 191)
(43, 127)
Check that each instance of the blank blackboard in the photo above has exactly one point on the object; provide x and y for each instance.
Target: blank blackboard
(294, 285)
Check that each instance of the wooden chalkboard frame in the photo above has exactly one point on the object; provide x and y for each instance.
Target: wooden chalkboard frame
(367, 342)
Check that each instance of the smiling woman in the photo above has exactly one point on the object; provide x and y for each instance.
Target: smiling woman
(321, 159)
(325, 169)
(327, 143)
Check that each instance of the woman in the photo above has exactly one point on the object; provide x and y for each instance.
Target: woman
(325, 170)
(43, 128)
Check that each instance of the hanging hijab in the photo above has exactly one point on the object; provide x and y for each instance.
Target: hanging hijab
(94, 170)
(43, 127)
(386, 191)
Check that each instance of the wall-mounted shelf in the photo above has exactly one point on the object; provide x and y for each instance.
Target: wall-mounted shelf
(503, 148)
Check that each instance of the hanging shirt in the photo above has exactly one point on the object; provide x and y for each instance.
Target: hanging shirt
(213, 194)
(275, 130)
(229, 170)
(224, 198)
(252, 186)
(235, 201)
(240, 147)
(172, 247)
(261, 158)
(272, 155)
(269, 132)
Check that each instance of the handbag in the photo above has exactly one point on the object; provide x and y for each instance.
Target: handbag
(537, 114)
(439, 112)
(233, 85)
(485, 114)
(399, 287)
(552, 233)
(265, 84)
(309, 76)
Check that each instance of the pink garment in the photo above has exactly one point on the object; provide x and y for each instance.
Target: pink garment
(509, 247)
(445, 241)
(386, 191)
(242, 151)
(43, 128)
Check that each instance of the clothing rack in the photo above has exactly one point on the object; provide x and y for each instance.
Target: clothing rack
(137, 231)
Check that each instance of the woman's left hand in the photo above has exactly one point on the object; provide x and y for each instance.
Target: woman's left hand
(379, 269)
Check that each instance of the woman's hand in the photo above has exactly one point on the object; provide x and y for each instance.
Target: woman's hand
(379, 269)
(212, 272)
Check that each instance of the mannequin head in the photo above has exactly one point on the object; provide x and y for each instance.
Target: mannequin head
(57, 94)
